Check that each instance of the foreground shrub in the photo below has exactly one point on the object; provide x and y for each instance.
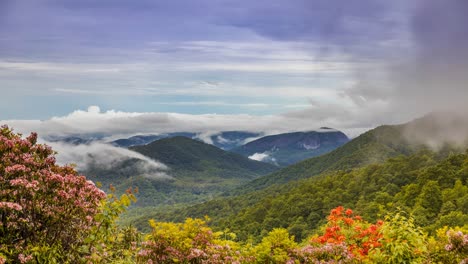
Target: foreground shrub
(449, 246)
(44, 208)
(189, 242)
(401, 242)
(277, 247)
(346, 228)
(327, 253)
(108, 243)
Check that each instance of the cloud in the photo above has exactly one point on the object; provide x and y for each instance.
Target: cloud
(259, 156)
(112, 124)
(218, 103)
(107, 157)
(264, 157)
(62, 68)
(426, 73)
(439, 129)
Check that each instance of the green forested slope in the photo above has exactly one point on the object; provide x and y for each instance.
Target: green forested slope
(186, 156)
(374, 146)
(198, 172)
(431, 187)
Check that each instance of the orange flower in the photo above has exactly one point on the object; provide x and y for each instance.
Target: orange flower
(349, 212)
(337, 211)
(348, 221)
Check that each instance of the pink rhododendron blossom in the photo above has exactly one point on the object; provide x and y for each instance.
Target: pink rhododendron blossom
(11, 205)
(42, 203)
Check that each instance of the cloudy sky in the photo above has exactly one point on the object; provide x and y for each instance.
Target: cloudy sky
(270, 65)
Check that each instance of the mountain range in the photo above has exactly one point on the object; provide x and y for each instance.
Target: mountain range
(249, 205)
(196, 172)
(289, 148)
(224, 140)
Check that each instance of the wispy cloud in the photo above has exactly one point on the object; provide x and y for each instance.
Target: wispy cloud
(218, 103)
(107, 157)
(58, 67)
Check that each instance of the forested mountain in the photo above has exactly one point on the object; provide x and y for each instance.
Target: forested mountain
(190, 156)
(373, 146)
(197, 171)
(378, 171)
(432, 187)
(286, 149)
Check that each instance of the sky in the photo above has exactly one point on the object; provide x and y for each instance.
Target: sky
(121, 67)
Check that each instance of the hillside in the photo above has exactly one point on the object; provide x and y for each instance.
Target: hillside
(374, 146)
(197, 172)
(184, 155)
(432, 187)
(289, 148)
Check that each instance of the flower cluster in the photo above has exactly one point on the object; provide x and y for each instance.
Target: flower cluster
(457, 242)
(41, 203)
(327, 253)
(344, 227)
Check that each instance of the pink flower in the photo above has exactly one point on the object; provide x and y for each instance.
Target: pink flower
(24, 259)
(10, 205)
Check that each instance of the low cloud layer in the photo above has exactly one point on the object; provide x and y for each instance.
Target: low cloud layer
(107, 157)
(116, 124)
(439, 129)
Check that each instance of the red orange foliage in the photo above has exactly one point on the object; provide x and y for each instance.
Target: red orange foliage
(345, 227)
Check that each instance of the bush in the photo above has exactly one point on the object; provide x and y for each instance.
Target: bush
(46, 210)
(402, 242)
(189, 242)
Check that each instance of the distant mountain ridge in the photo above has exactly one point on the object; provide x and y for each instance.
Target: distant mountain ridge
(198, 171)
(139, 140)
(376, 146)
(289, 148)
(225, 140)
(373, 146)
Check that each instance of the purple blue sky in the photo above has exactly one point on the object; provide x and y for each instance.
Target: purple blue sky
(276, 65)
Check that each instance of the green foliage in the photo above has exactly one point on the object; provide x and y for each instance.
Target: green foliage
(449, 245)
(374, 146)
(108, 243)
(276, 247)
(374, 190)
(402, 242)
(189, 242)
